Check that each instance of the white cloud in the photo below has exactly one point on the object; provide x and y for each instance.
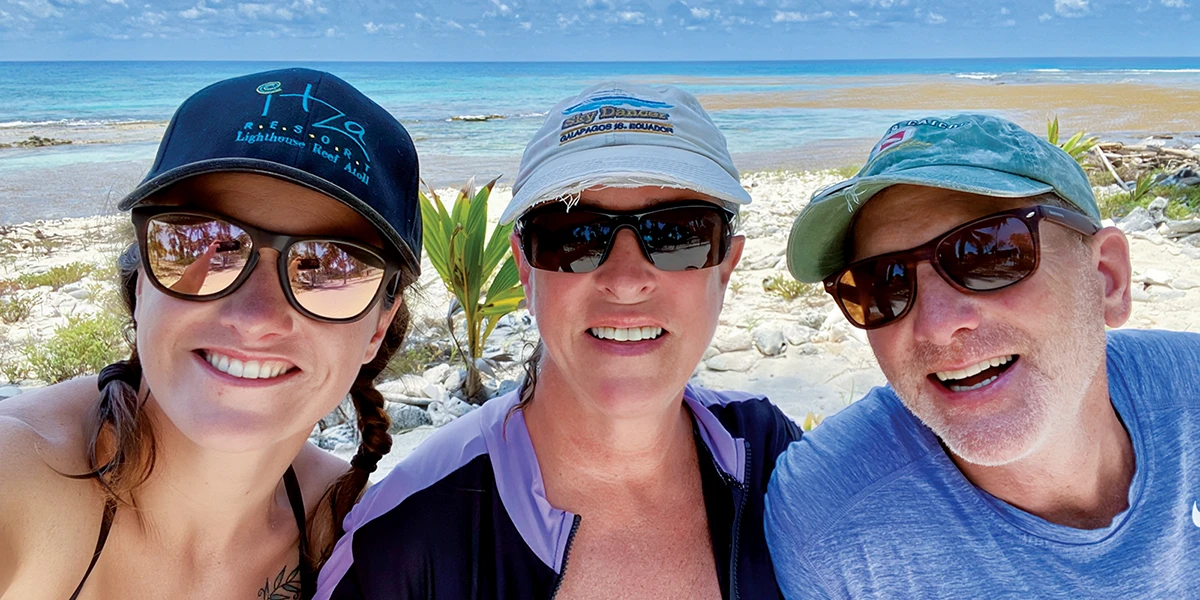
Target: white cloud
(799, 17)
(633, 17)
(373, 27)
(525, 25)
(1175, 3)
(254, 10)
(1044, 17)
(1005, 11)
(1009, 23)
(502, 7)
(40, 9)
(701, 13)
(934, 19)
(453, 24)
(330, 32)
(197, 11)
(1071, 8)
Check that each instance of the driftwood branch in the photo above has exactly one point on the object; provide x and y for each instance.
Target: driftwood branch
(1113, 171)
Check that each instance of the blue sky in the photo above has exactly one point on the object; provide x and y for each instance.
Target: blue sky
(570, 30)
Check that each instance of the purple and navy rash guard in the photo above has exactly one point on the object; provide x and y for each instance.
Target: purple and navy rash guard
(466, 515)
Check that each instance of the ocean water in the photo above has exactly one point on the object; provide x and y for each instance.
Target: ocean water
(475, 116)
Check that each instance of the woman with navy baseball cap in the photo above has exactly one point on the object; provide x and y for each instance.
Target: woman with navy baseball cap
(276, 231)
(607, 475)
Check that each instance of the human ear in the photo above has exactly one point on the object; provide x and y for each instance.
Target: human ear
(1110, 253)
(381, 328)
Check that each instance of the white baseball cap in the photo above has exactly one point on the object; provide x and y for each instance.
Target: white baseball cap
(625, 135)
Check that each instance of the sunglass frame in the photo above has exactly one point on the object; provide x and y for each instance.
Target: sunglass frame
(261, 238)
(1031, 216)
(627, 219)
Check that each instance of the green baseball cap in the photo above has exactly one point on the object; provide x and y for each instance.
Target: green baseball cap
(977, 154)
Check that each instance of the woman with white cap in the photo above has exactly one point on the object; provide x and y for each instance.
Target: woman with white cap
(606, 475)
(276, 230)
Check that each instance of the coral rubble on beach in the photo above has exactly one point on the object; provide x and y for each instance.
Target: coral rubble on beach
(775, 336)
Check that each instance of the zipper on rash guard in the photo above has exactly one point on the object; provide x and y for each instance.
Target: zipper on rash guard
(737, 529)
(566, 557)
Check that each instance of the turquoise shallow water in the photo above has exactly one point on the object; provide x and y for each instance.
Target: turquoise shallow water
(120, 108)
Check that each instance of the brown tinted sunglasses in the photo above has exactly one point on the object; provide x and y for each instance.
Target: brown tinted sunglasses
(984, 255)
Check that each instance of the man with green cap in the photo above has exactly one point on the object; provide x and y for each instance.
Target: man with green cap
(1019, 450)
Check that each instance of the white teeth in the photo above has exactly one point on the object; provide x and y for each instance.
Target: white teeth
(251, 369)
(975, 370)
(632, 334)
(967, 388)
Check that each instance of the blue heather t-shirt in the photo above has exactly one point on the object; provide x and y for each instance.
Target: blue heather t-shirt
(869, 505)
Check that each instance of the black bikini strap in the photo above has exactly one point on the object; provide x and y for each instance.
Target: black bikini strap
(308, 579)
(110, 511)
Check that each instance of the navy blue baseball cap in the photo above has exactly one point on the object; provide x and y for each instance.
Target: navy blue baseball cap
(306, 127)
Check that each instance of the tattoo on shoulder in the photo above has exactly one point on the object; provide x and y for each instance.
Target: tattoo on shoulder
(286, 587)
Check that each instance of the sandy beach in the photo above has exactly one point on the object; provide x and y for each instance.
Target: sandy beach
(799, 352)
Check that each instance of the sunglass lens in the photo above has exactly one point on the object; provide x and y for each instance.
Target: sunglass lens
(332, 279)
(990, 255)
(684, 238)
(195, 255)
(875, 293)
(571, 242)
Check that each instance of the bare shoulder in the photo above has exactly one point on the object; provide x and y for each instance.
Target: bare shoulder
(41, 440)
(316, 470)
(48, 424)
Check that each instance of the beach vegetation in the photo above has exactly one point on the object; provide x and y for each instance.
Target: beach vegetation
(1077, 145)
(12, 364)
(14, 309)
(83, 346)
(789, 289)
(479, 272)
(1183, 202)
(847, 171)
(811, 420)
(55, 277)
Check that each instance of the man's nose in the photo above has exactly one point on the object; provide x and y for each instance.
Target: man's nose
(940, 311)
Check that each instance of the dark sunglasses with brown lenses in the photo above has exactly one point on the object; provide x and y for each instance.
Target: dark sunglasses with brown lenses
(984, 255)
(196, 255)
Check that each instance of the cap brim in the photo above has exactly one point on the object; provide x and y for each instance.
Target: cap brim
(143, 192)
(662, 164)
(816, 246)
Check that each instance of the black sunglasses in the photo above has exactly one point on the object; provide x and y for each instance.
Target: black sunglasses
(984, 255)
(196, 255)
(674, 237)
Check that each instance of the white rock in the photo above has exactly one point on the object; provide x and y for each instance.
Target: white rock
(732, 361)
(405, 417)
(1138, 219)
(454, 380)
(769, 341)
(408, 384)
(1187, 226)
(1184, 284)
(1158, 277)
(459, 407)
(340, 438)
(9, 391)
(1139, 294)
(436, 393)
(732, 339)
(797, 334)
(437, 372)
(1157, 209)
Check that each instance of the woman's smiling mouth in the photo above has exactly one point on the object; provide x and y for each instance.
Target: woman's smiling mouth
(246, 369)
(626, 334)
